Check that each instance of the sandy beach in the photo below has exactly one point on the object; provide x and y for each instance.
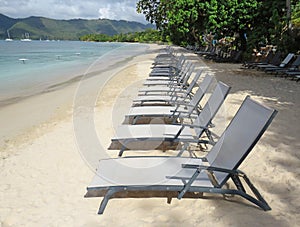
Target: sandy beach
(49, 143)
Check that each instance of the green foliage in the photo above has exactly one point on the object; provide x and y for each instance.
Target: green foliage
(296, 16)
(250, 22)
(44, 28)
(149, 35)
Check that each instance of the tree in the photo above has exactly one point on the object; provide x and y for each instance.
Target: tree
(296, 16)
(232, 17)
(186, 20)
(251, 22)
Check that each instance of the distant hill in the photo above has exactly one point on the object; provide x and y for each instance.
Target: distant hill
(45, 28)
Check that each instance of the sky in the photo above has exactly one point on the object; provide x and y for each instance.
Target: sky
(71, 9)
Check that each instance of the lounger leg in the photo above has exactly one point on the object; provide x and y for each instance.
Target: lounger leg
(122, 150)
(135, 119)
(188, 185)
(259, 200)
(210, 137)
(263, 204)
(182, 149)
(105, 199)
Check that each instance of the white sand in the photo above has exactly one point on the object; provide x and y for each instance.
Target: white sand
(43, 171)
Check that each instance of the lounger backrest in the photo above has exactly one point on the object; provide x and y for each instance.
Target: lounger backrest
(180, 62)
(296, 63)
(211, 107)
(276, 59)
(188, 74)
(194, 81)
(184, 71)
(245, 129)
(286, 60)
(203, 86)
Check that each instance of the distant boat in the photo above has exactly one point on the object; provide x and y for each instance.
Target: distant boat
(8, 37)
(26, 39)
(23, 60)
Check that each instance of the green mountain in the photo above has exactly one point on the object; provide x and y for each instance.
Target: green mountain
(45, 28)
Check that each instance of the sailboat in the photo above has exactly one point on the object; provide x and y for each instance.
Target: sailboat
(26, 39)
(8, 37)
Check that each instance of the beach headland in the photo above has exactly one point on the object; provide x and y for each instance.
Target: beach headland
(45, 166)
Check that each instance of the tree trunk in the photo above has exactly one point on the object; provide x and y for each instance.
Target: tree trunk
(243, 40)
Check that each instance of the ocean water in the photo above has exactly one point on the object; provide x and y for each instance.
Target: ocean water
(51, 62)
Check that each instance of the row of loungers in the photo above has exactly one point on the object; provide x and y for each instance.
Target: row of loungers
(273, 64)
(216, 54)
(173, 92)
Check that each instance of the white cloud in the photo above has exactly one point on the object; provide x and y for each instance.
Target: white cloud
(69, 9)
(125, 10)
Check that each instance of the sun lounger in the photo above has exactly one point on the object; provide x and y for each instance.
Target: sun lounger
(169, 69)
(172, 113)
(180, 177)
(166, 90)
(294, 67)
(274, 60)
(281, 64)
(169, 100)
(264, 61)
(182, 77)
(159, 136)
(172, 77)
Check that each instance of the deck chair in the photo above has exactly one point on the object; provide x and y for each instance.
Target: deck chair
(281, 64)
(172, 59)
(266, 60)
(165, 61)
(165, 55)
(294, 67)
(275, 60)
(172, 77)
(159, 90)
(184, 177)
(168, 136)
(170, 100)
(183, 76)
(169, 69)
(170, 113)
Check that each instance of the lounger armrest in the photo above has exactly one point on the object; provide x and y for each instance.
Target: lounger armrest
(194, 126)
(179, 112)
(183, 104)
(211, 168)
(198, 170)
(185, 114)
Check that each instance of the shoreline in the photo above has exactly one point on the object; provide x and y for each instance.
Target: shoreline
(43, 177)
(71, 76)
(55, 100)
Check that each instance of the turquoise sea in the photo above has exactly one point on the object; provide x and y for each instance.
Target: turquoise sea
(50, 62)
